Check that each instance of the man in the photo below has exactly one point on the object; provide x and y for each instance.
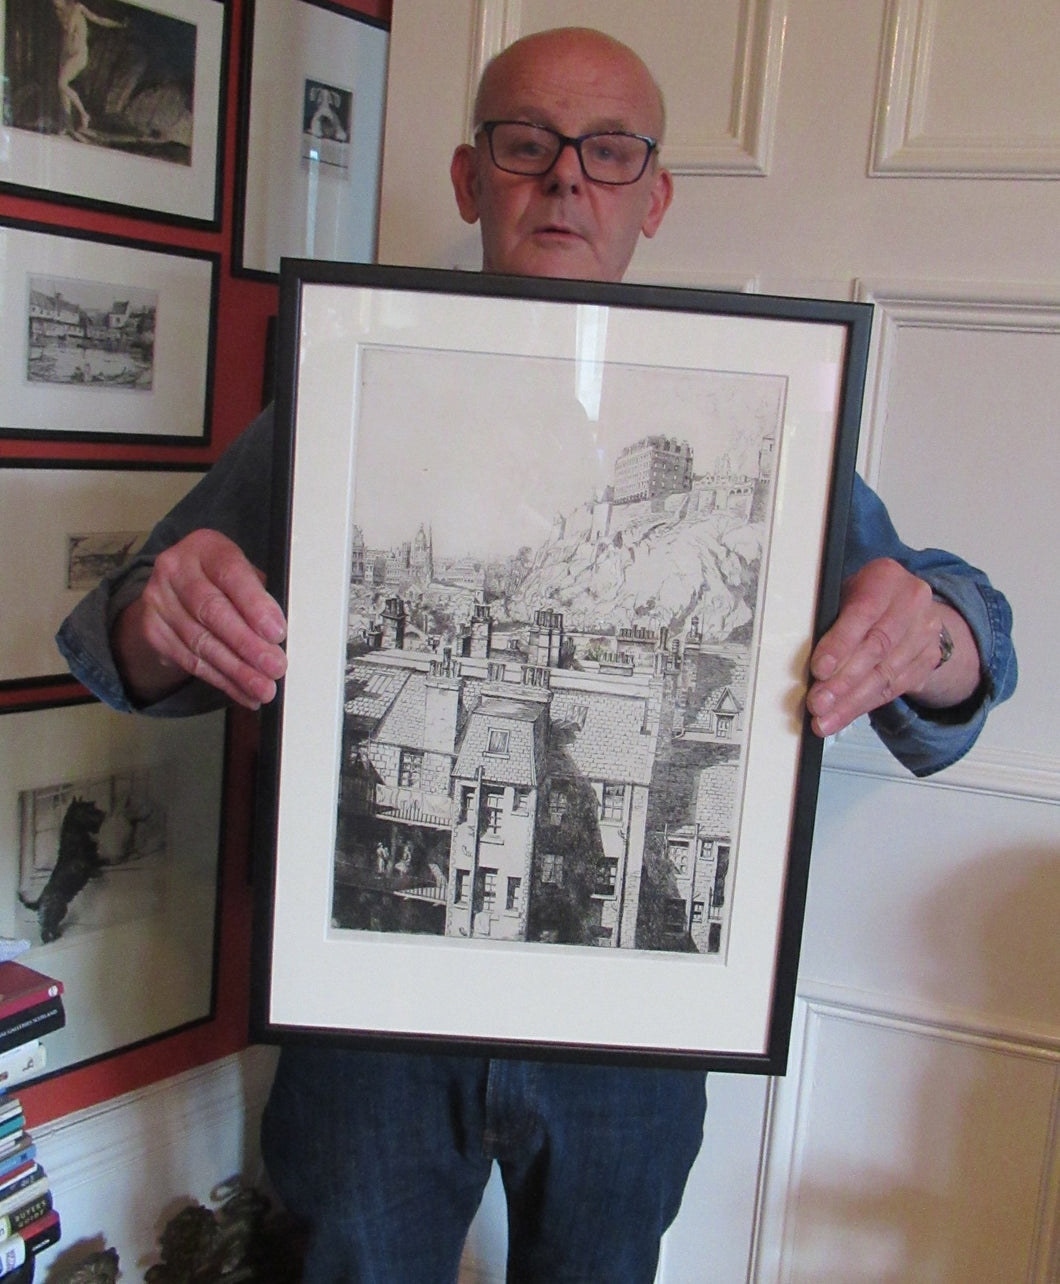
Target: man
(387, 1155)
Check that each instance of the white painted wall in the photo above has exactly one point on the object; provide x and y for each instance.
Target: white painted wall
(904, 151)
(121, 1170)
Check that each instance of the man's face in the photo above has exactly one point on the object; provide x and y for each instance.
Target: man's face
(561, 224)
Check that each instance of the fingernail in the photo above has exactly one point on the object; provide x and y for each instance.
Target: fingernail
(274, 629)
(824, 666)
(274, 666)
(820, 701)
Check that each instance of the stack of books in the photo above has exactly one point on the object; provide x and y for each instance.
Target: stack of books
(31, 1006)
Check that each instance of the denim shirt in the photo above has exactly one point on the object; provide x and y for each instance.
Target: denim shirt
(234, 498)
(926, 740)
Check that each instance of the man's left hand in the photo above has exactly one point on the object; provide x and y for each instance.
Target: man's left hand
(885, 643)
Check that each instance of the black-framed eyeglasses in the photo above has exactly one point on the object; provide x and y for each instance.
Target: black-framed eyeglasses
(615, 158)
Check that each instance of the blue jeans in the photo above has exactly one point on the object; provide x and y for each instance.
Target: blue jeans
(386, 1156)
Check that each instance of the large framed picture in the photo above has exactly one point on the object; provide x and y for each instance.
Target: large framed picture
(107, 339)
(312, 101)
(109, 839)
(115, 105)
(62, 529)
(539, 779)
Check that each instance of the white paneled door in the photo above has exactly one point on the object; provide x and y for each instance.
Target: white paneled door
(906, 152)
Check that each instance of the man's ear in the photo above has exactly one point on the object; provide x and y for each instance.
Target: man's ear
(662, 193)
(464, 172)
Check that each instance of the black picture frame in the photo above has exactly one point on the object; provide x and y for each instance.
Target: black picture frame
(111, 339)
(301, 190)
(63, 525)
(155, 150)
(494, 753)
(146, 795)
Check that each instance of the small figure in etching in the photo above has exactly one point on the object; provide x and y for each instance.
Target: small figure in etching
(403, 864)
(74, 18)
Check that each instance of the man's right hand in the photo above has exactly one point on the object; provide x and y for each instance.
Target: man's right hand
(204, 613)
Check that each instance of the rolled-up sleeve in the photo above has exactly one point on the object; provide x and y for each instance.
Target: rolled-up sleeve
(927, 740)
(233, 498)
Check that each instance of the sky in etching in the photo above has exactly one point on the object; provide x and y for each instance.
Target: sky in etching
(489, 448)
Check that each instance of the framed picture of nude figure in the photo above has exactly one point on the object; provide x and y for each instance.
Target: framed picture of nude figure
(115, 105)
(554, 556)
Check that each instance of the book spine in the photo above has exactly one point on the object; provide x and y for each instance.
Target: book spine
(41, 1234)
(22, 1219)
(32, 1189)
(19, 1177)
(29, 1151)
(22, 1063)
(12, 1255)
(36, 1190)
(9, 1145)
(31, 999)
(32, 1024)
(16, 1123)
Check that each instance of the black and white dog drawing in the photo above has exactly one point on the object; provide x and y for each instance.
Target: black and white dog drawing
(78, 862)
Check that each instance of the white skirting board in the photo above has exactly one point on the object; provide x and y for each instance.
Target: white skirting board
(120, 1170)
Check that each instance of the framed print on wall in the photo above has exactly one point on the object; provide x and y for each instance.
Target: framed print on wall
(311, 135)
(540, 778)
(107, 339)
(109, 839)
(62, 529)
(115, 105)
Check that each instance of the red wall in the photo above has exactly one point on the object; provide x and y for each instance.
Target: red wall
(243, 311)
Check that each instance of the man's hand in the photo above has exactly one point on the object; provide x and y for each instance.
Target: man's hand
(203, 613)
(884, 644)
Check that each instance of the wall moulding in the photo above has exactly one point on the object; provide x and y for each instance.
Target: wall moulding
(940, 305)
(127, 1133)
(824, 1002)
(741, 143)
(990, 311)
(1008, 773)
(932, 1047)
(905, 143)
(121, 1168)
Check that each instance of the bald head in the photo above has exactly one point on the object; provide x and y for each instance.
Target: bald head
(585, 45)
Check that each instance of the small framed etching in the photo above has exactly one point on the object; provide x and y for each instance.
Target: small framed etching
(554, 554)
(62, 529)
(109, 838)
(108, 339)
(115, 105)
(311, 134)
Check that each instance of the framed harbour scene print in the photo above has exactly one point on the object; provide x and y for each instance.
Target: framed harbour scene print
(110, 339)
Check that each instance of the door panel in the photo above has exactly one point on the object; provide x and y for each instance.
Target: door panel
(903, 151)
